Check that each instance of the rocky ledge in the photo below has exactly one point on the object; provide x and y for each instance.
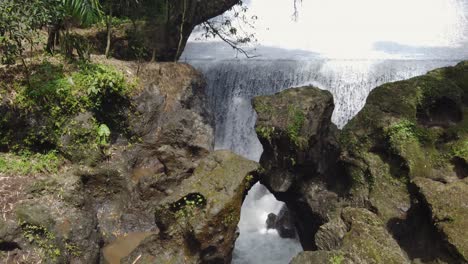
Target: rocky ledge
(148, 188)
(389, 187)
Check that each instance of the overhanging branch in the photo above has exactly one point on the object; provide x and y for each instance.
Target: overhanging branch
(228, 41)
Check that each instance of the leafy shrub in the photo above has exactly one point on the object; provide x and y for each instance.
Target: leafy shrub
(56, 96)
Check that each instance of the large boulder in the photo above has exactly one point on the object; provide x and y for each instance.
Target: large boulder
(403, 158)
(366, 241)
(203, 212)
(300, 151)
(449, 211)
(156, 188)
(412, 132)
(283, 223)
(174, 124)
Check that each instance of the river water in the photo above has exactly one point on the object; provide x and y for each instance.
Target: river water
(346, 47)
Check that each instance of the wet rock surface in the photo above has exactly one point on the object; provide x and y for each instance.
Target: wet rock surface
(283, 223)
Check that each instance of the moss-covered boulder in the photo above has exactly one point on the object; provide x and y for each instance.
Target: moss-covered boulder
(80, 140)
(295, 130)
(298, 138)
(365, 241)
(449, 210)
(403, 157)
(203, 212)
(412, 130)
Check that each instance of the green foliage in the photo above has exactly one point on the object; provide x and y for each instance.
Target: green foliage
(136, 44)
(103, 133)
(233, 28)
(100, 81)
(249, 179)
(73, 250)
(230, 218)
(20, 21)
(405, 131)
(401, 132)
(58, 96)
(263, 107)
(337, 259)
(87, 11)
(460, 149)
(185, 207)
(265, 132)
(30, 163)
(43, 238)
(296, 121)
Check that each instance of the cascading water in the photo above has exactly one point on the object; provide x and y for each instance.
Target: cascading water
(346, 47)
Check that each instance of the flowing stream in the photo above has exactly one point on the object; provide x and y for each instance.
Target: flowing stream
(346, 47)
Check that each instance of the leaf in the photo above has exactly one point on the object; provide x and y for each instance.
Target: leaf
(104, 130)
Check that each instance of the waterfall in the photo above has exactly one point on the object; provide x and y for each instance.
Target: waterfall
(233, 83)
(346, 47)
(231, 86)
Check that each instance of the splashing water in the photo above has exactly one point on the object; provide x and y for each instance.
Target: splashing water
(346, 47)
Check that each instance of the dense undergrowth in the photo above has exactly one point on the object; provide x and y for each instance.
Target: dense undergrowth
(61, 109)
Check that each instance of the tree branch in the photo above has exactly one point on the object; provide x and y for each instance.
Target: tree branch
(228, 41)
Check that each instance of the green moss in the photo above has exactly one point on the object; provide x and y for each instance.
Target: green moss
(187, 206)
(265, 132)
(43, 238)
(29, 163)
(230, 218)
(295, 122)
(73, 250)
(400, 133)
(249, 180)
(262, 107)
(336, 259)
(460, 149)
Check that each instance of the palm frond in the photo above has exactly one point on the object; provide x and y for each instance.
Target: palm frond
(87, 11)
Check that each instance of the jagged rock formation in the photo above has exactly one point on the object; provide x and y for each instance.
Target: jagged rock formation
(365, 240)
(156, 193)
(297, 135)
(402, 161)
(283, 223)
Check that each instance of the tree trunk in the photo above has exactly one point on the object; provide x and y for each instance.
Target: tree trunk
(153, 55)
(109, 32)
(52, 38)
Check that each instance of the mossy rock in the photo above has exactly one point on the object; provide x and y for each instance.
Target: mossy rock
(79, 141)
(448, 205)
(368, 241)
(297, 115)
(206, 206)
(407, 129)
(34, 214)
(365, 241)
(320, 256)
